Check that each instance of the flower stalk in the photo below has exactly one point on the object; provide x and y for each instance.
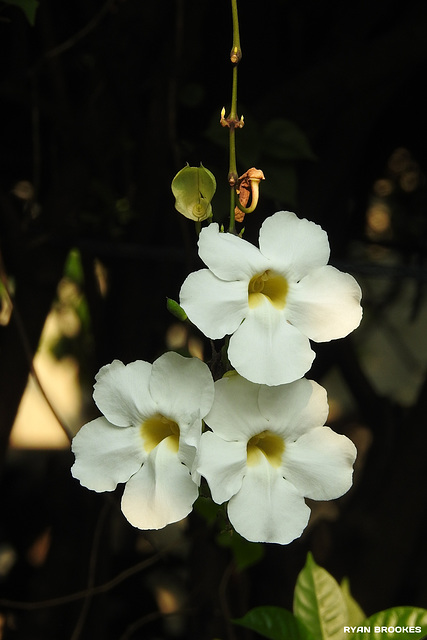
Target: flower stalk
(232, 121)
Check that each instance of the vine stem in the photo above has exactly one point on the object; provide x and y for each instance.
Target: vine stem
(233, 120)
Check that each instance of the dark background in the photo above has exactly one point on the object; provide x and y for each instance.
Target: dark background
(102, 103)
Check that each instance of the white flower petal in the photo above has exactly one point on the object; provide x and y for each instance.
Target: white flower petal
(320, 464)
(294, 408)
(161, 492)
(215, 306)
(268, 508)
(184, 390)
(187, 453)
(295, 246)
(122, 392)
(228, 256)
(106, 455)
(223, 464)
(325, 305)
(235, 414)
(268, 350)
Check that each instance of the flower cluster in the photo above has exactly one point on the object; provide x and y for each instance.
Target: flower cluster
(266, 447)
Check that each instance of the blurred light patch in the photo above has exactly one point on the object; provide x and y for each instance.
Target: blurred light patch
(37, 553)
(5, 306)
(377, 253)
(178, 339)
(399, 160)
(101, 275)
(8, 557)
(23, 190)
(35, 425)
(410, 180)
(195, 347)
(170, 598)
(167, 601)
(65, 313)
(383, 187)
(378, 221)
(69, 322)
(176, 336)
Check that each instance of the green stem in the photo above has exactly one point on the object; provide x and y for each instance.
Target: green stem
(235, 57)
(236, 35)
(232, 177)
(233, 112)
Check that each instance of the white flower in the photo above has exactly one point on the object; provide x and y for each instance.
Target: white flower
(271, 300)
(148, 437)
(268, 451)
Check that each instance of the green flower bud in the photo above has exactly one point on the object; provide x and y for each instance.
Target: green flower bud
(194, 188)
(174, 308)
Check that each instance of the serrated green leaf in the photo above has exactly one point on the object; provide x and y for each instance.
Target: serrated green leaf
(354, 610)
(29, 7)
(194, 188)
(274, 623)
(391, 618)
(319, 602)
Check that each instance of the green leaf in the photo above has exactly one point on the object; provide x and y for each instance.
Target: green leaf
(284, 140)
(208, 509)
(355, 612)
(391, 618)
(175, 309)
(73, 268)
(29, 7)
(274, 623)
(194, 188)
(245, 553)
(280, 181)
(319, 602)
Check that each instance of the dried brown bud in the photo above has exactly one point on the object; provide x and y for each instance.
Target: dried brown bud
(248, 187)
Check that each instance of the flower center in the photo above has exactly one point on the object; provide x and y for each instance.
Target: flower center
(268, 444)
(156, 429)
(267, 285)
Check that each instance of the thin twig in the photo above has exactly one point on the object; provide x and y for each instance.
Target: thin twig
(93, 591)
(92, 569)
(150, 617)
(17, 319)
(222, 591)
(90, 26)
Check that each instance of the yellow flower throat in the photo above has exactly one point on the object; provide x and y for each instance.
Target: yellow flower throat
(157, 428)
(268, 285)
(268, 444)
